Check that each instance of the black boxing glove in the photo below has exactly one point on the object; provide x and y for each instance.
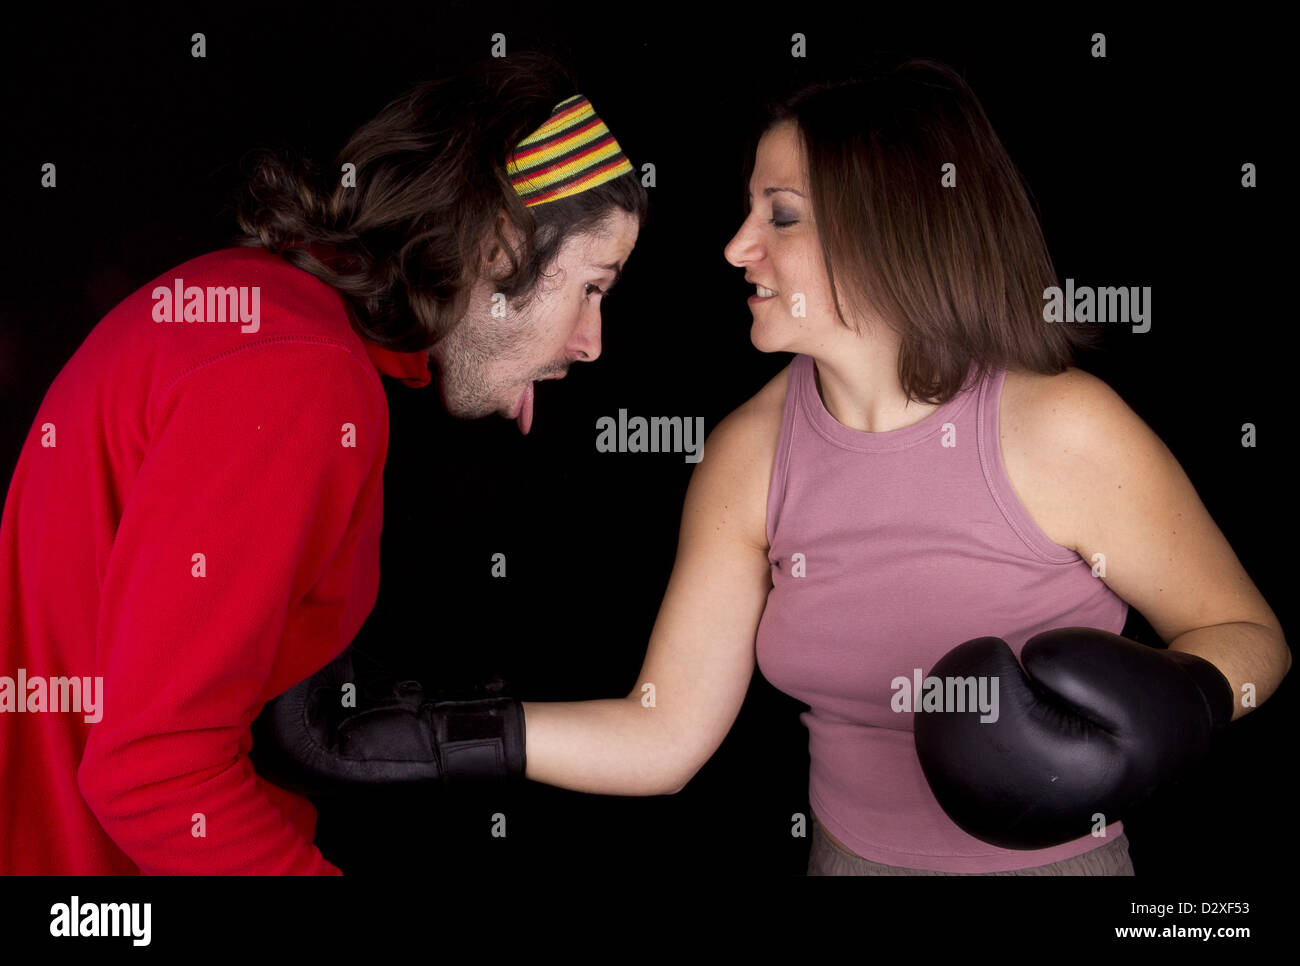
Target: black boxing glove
(393, 735)
(1093, 724)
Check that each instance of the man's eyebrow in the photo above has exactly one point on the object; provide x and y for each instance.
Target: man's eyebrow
(617, 269)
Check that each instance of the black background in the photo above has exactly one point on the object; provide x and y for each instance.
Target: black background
(1135, 163)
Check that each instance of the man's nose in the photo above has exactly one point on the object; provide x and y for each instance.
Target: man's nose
(585, 344)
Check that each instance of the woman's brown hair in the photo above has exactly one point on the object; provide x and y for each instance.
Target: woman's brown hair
(959, 272)
(431, 184)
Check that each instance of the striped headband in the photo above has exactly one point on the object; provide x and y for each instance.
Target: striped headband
(571, 152)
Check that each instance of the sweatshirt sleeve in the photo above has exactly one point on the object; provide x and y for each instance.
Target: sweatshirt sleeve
(251, 489)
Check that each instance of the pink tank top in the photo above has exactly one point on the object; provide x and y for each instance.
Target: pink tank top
(888, 550)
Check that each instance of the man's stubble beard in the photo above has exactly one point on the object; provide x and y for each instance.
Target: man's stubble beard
(472, 350)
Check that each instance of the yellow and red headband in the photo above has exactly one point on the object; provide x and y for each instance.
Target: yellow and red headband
(571, 152)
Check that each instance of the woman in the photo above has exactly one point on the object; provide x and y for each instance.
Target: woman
(928, 470)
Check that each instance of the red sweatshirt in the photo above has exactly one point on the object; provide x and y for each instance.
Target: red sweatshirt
(192, 528)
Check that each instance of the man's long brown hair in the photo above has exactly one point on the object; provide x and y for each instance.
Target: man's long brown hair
(431, 190)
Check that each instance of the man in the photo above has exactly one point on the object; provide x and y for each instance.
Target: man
(193, 524)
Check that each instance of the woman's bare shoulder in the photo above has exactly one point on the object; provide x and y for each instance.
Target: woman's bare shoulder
(757, 421)
(743, 448)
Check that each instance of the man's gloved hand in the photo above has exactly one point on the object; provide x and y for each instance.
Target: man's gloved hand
(1093, 724)
(392, 732)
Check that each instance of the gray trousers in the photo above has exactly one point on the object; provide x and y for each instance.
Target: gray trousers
(827, 858)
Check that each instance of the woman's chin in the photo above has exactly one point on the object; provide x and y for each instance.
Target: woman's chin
(765, 340)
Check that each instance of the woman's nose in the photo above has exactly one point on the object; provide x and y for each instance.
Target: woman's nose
(741, 250)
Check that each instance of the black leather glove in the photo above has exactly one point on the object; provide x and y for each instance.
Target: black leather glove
(1093, 724)
(394, 734)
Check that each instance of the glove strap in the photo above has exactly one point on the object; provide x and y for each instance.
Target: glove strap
(479, 739)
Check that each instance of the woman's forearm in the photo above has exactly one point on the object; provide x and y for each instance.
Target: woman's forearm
(612, 746)
(1253, 657)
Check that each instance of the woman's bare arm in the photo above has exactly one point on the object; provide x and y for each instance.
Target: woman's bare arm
(700, 657)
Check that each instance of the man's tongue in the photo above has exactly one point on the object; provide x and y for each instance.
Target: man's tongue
(525, 418)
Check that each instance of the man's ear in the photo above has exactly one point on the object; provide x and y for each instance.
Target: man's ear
(495, 259)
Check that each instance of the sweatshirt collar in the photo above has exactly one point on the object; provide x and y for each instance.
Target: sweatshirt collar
(410, 367)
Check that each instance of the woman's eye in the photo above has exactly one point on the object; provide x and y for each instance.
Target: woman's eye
(594, 288)
(781, 224)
